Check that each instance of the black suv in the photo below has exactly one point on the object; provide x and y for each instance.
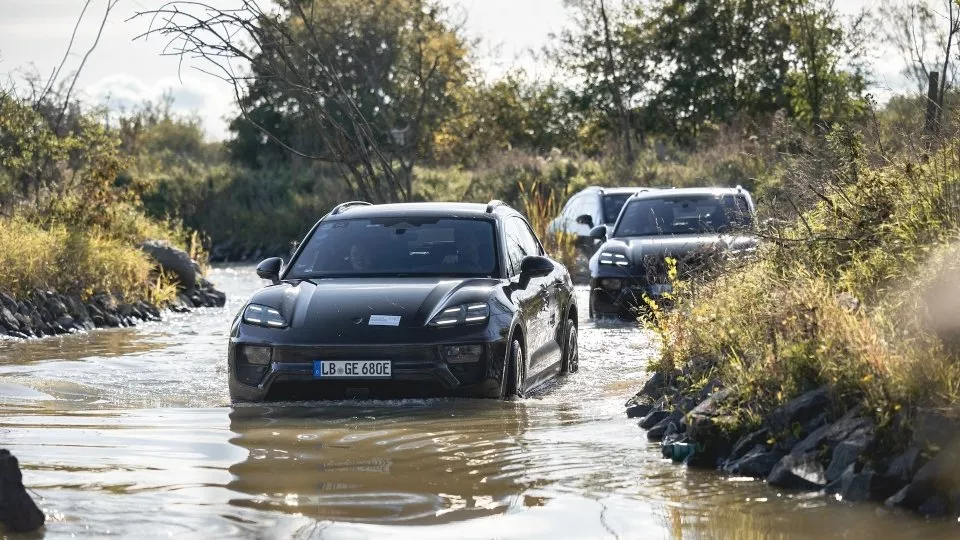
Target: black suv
(399, 299)
(694, 226)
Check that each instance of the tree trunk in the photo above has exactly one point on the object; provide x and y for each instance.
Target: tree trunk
(615, 86)
(930, 122)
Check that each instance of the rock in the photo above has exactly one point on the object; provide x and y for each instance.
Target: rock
(111, 320)
(936, 506)
(798, 471)
(850, 426)
(757, 463)
(105, 302)
(803, 467)
(848, 452)
(18, 512)
(799, 410)
(706, 427)
(941, 475)
(653, 418)
(8, 302)
(898, 498)
(173, 260)
(904, 466)
(701, 419)
(657, 432)
(748, 442)
(56, 307)
(639, 410)
(66, 321)
(22, 319)
(8, 320)
(654, 387)
(185, 300)
(852, 487)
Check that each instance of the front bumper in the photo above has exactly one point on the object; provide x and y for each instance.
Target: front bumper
(417, 370)
(627, 298)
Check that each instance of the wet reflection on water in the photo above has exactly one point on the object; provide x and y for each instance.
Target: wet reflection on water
(128, 433)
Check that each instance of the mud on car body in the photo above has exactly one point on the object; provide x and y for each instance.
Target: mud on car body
(697, 227)
(407, 299)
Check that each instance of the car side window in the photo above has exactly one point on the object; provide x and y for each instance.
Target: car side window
(528, 240)
(591, 207)
(514, 247)
(574, 209)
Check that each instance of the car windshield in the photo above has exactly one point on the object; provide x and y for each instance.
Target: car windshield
(612, 203)
(688, 214)
(398, 246)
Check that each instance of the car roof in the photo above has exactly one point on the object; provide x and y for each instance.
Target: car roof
(432, 209)
(653, 194)
(615, 190)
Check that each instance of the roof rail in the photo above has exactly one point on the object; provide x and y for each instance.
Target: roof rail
(493, 204)
(343, 206)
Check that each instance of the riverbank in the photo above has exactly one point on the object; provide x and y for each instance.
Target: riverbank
(831, 361)
(156, 276)
(808, 444)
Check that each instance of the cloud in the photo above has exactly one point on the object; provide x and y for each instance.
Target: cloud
(209, 100)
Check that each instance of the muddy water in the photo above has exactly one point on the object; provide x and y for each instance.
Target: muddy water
(129, 433)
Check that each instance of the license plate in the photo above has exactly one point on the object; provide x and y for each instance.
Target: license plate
(352, 369)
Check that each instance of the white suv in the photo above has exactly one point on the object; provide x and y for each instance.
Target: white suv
(589, 208)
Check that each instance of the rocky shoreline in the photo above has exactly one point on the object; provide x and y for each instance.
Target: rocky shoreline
(808, 444)
(47, 313)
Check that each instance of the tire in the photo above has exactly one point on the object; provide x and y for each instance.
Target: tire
(571, 349)
(516, 372)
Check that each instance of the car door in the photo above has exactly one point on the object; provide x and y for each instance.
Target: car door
(547, 350)
(574, 209)
(527, 294)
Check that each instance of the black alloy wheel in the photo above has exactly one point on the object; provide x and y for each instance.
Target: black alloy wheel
(516, 372)
(571, 351)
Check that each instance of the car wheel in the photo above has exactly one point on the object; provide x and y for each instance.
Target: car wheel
(516, 372)
(571, 352)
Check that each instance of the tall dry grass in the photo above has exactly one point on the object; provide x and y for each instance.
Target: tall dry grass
(541, 205)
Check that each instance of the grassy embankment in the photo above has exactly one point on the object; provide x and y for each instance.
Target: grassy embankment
(858, 294)
(67, 223)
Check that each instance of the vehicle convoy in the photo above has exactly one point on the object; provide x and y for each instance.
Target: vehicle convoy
(407, 299)
(589, 208)
(694, 226)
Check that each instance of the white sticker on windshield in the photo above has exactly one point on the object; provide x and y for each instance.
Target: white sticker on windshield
(384, 320)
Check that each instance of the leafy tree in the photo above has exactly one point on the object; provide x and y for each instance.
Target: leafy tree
(718, 59)
(357, 84)
(925, 32)
(605, 51)
(510, 113)
(827, 79)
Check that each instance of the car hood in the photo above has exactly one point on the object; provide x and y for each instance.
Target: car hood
(351, 307)
(641, 250)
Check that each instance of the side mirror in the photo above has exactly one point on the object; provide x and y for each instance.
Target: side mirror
(585, 219)
(535, 266)
(270, 269)
(599, 233)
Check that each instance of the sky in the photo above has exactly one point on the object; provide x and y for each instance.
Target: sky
(123, 71)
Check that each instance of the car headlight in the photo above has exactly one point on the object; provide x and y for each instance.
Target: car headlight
(263, 316)
(614, 259)
(462, 314)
